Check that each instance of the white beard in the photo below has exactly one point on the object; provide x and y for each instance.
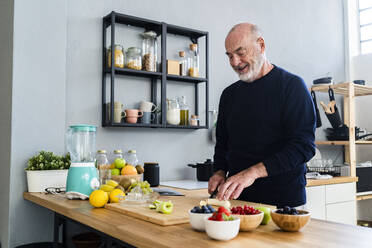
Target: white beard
(254, 70)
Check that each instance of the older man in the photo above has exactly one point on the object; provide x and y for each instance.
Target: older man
(265, 127)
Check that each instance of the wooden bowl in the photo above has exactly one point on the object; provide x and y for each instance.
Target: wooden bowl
(249, 222)
(118, 178)
(291, 223)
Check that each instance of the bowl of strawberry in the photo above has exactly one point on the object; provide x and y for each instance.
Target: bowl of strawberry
(222, 225)
(250, 217)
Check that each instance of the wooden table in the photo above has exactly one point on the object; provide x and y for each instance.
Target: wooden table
(145, 234)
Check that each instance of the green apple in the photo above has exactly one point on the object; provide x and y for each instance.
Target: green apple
(166, 207)
(267, 216)
(115, 172)
(119, 163)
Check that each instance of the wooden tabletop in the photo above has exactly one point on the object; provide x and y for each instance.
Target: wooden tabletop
(145, 234)
(334, 180)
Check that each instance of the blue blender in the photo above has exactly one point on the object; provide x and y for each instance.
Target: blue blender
(82, 177)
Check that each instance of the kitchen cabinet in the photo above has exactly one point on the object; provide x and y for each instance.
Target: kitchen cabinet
(334, 202)
(162, 29)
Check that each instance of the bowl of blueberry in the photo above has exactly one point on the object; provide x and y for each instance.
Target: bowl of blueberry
(290, 219)
(198, 214)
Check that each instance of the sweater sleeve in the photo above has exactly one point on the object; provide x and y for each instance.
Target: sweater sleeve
(298, 121)
(220, 150)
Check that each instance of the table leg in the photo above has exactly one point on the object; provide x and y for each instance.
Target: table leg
(56, 230)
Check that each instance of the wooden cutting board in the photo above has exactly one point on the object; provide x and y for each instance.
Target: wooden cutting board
(180, 214)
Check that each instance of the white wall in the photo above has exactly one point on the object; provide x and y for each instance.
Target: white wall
(6, 58)
(57, 70)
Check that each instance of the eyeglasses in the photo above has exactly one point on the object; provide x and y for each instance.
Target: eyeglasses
(53, 190)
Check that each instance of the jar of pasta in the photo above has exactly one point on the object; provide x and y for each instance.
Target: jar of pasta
(118, 56)
(134, 58)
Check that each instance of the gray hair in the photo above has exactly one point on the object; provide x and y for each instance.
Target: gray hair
(254, 30)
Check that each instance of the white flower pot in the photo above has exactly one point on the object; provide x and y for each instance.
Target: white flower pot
(39, 180)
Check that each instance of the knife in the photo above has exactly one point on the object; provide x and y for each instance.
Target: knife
(214, 193)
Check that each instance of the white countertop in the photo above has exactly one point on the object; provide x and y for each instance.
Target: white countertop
(185, 184)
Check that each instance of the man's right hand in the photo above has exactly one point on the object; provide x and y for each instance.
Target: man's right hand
(215, 180)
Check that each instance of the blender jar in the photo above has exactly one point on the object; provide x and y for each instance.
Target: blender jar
(81, 143)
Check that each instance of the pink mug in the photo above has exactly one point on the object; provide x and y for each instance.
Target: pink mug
(131, 115)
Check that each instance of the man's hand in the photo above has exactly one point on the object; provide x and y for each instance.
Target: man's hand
(218, 178)
(234, 185)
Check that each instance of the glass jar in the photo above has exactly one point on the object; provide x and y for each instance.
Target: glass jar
(103, 167)
(118, 56)
(134, 60)
(194, 120)
(117, 154)
(184, 111)
(131, 158)
(149, 51)
(173, 112)
(183, 63)
(193, 61)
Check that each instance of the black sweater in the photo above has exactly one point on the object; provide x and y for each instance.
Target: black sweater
(271, 120)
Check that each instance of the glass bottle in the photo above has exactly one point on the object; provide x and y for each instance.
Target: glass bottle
(173, 112)
(117, 154)
(193, 61)
(134, 58)
(149, 51)
(183, 63)
(103, 167)
(118, 56)
(184, 111)
(131, 157)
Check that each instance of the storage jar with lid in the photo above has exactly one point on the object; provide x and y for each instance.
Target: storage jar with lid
(134, 60)
(131, 158)
(149, 51)
(193, 61)
(118, 56)
(183, 63)
(194, 120)
(103, 167)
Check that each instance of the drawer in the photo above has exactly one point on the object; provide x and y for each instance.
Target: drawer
(315, 202)
(344, 212)
(340, 192)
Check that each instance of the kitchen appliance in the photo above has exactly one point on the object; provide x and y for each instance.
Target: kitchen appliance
(82, 177)
(364, 184)
(203, 170)
(151, 173)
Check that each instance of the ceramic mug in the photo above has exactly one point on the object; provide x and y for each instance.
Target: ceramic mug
(118, 115)
(147, 106)
(147, 117)
(131, 115)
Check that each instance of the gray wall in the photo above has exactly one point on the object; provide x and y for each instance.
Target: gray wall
(6, 59)
(305, 37)
(57, 70)
(38, 111)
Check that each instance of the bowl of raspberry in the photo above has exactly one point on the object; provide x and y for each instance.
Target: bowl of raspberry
(250, 217)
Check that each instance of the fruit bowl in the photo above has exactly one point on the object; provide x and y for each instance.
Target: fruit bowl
(249, 222)
(119, 178)
(290, 223)
(222, 230)
(197, 220)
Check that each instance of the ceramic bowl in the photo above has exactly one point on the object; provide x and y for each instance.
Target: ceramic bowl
(222, 230)
(249, 222)
(291, 223)
(197, 220)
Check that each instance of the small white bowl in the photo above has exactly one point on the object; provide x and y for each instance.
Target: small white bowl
(197, 220)
(222, 230)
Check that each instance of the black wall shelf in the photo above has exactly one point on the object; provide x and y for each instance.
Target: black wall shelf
(162, 29)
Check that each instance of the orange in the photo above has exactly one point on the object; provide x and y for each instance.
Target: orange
(129, 170)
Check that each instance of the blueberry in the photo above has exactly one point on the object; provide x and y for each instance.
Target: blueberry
(294, 211)
(211, 208)
(280, 211)
(287, 209)
(204, 208)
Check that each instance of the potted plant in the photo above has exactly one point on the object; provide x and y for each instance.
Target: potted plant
(46, 170)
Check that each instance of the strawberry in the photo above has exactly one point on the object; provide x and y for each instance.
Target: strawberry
(219, 217)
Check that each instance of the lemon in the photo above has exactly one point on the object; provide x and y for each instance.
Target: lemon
(98, 198)
(107, 188)
(116, 195)
(112, 183)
